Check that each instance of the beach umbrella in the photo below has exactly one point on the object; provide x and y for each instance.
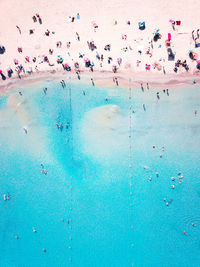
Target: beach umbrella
(86, 59)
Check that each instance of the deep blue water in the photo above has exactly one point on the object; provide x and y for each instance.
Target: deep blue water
(85, 210)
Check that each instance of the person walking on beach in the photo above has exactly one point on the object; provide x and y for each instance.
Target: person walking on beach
(19, 29)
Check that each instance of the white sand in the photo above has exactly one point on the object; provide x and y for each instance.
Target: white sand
(55, 15)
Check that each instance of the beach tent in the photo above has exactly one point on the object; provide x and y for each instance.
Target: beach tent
(141, 25)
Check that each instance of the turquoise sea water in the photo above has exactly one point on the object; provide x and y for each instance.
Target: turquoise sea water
(98, 205)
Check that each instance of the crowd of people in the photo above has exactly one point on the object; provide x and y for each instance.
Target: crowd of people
(20, 68)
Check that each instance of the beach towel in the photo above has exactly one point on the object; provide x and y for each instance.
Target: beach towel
(178, 22)
(169, 36)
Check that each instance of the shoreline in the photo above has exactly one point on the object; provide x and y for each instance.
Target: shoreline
(104, 78)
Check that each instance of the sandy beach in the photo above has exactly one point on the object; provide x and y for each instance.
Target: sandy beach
(35, 35)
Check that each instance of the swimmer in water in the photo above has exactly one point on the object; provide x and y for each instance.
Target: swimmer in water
(25, 130)
(34, 230)
(83, 92)
(44, 171)
(45, 90)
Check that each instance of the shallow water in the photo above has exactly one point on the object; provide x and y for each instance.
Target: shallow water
(88, 177)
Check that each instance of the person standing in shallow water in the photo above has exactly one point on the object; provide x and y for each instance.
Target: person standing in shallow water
(92, 82)
(142, 88)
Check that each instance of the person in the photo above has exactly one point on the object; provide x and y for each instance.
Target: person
(78, 16)
(63, 83)
(78, 75)
(2, 76)
(142, 88)
(19, 29)
(147, 86)
(144, 107)
(40, 20)
(31, 31)
(158, 95)
(78, 37)
(25, 130)
(34, 18)
(92, 81)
